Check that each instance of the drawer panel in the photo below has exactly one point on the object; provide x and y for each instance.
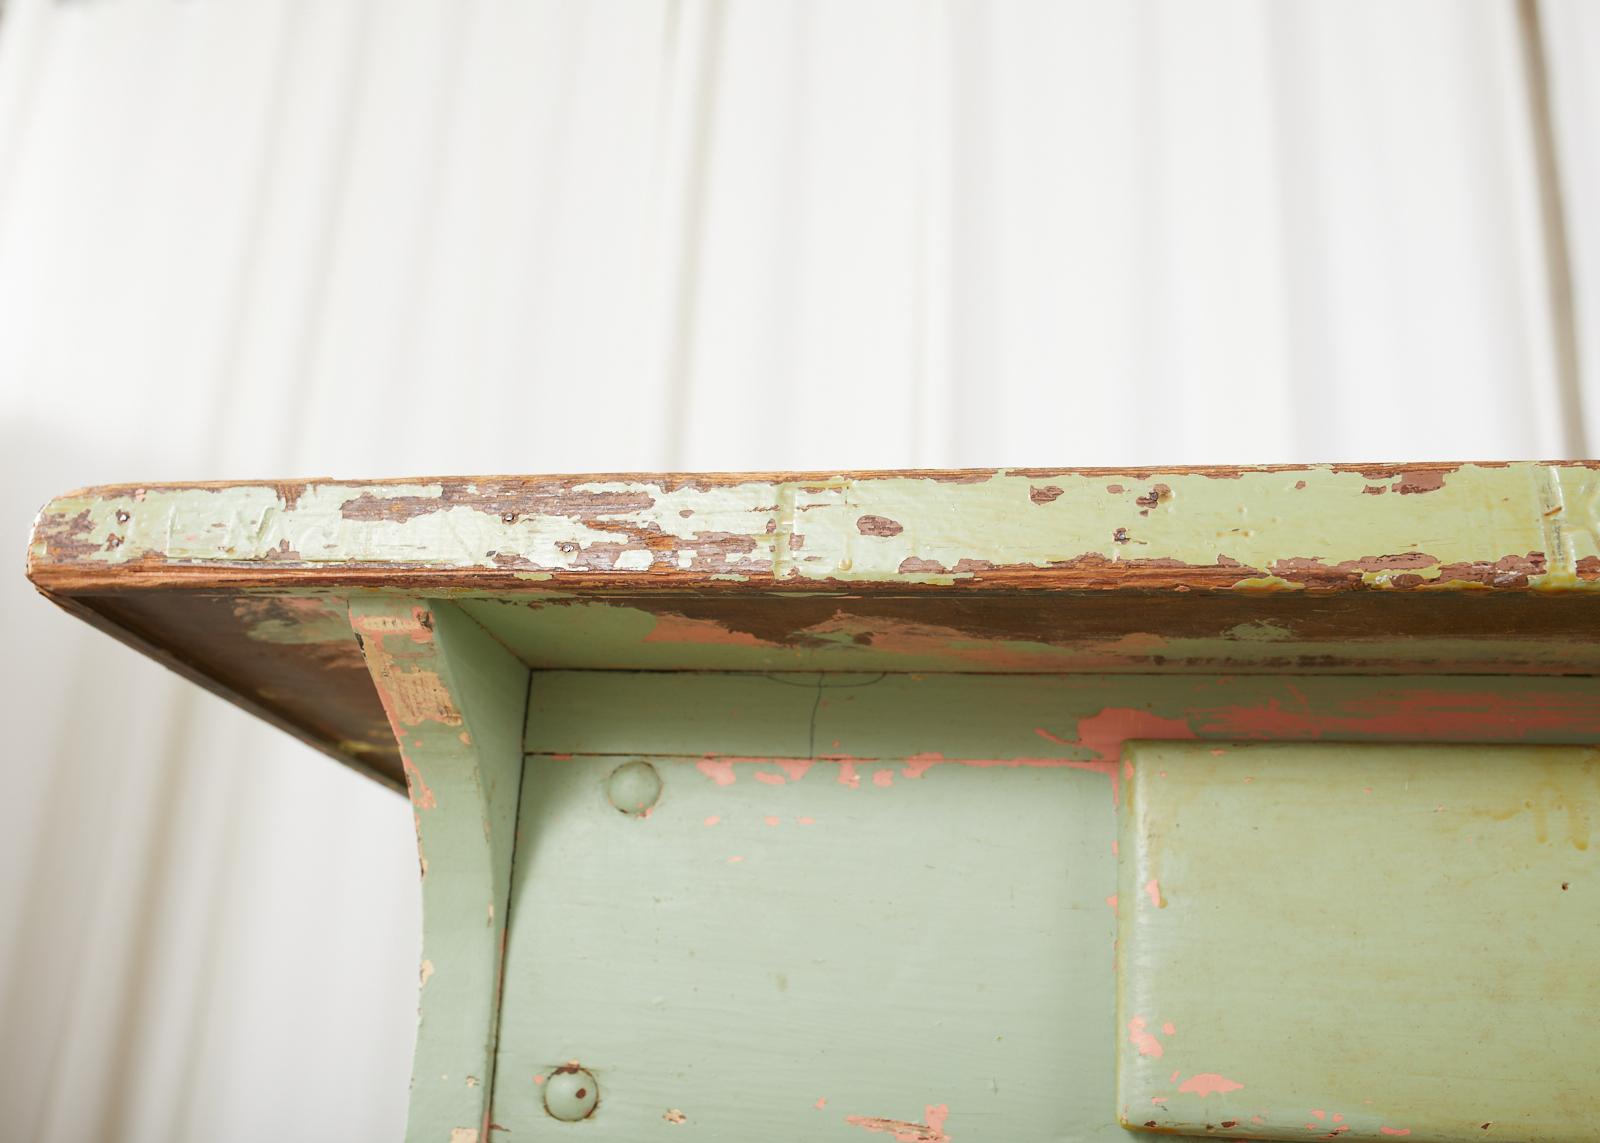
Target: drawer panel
(1360, 941)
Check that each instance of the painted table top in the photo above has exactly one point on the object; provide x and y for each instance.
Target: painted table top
(1340, 569)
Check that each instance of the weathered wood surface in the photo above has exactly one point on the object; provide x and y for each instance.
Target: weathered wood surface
(1428, 569)
(1366, 942)
(1332, 527)
(928, 678)
(456, 702)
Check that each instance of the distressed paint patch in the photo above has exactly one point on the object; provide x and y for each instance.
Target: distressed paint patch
(970, 527)
(700, 632)
(932, 1131)
(1208, 1083)
(419, 696)
(1147, 1043)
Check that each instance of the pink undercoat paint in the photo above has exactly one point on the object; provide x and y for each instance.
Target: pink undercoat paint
(713, 820)
(769, 778)
(421, 796)
(1112, 901)
(807, 821)
(699, 633)
(1103, 735)
(538, 1080)
(1421, 713)
(1394, 1131)
(919, 764)
(1167, 1029)
(735, 860)
(883, 778)
(1145, 1042)
(899, 637)
(795, 768)
(822, 1101)
(770, 820)
(1173, 1078)
(930, 1131)
(1153, 891)
(1319, 1114)
(1208, 1083)
(719, 770)
(848, 775)
(1115, 850)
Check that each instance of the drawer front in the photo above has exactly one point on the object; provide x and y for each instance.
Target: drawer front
(1361, 941)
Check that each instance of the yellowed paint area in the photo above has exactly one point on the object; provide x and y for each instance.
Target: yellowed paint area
(1258, 519)
(1400, 529)
(1412, 925)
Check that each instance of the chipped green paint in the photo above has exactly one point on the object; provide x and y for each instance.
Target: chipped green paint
(1384, 527)
(456, 701)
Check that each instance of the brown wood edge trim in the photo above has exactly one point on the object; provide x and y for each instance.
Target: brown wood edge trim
(174, 661)
(76, 579)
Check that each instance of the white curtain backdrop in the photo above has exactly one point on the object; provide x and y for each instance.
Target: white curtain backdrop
(387, 237)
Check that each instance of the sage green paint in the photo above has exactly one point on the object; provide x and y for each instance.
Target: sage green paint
(1363, 941)
(456, 700)
(682, 1010)
(804, 715)
(798, 962)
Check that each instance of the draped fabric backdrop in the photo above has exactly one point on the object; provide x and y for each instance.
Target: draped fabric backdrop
(386, 237)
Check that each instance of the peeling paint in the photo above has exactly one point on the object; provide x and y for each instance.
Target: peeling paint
(1208, 1083)
(918, 527)
(932, 1131)
(1145, 1042)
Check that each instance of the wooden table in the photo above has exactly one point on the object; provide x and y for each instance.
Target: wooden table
(940, 806)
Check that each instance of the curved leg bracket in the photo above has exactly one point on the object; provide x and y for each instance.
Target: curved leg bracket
(456, 700)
